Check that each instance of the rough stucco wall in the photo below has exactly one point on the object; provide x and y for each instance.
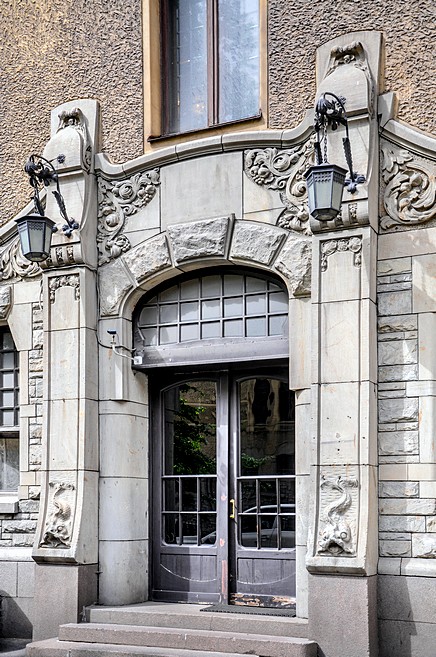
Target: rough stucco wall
(297, 27)
(52, 51)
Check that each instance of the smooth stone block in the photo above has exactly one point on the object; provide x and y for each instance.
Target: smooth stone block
(186, 192)
(427, 346)
(424, 283)
(123, 509)
(61, 592)
(123, 572)
(343, 612)
(406, 638)
(407, 598)
(389, 566)
(339, 357)
(126, 435)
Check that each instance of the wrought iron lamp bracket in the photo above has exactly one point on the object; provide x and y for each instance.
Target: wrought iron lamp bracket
(330, 112)
(41, 174)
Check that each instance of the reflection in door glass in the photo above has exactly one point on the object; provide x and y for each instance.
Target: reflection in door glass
(189, 473)
(267, 425)
(266, 482)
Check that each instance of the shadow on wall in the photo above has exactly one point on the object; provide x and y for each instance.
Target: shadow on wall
(14, 618)
(396, 626)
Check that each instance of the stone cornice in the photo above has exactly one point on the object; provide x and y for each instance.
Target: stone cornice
(207, 146)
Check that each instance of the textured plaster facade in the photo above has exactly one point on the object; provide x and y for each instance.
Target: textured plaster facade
(297, 28)
(60, 50)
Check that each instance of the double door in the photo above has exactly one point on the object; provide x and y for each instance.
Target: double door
(223, 489)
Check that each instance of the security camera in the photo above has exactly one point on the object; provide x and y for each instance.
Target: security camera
(112, 331)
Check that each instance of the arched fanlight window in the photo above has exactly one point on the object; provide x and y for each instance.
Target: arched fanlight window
(196, 318)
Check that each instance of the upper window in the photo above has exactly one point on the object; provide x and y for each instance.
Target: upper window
(210, 61)
(9, 467)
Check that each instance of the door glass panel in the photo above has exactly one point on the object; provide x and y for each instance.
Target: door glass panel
(208, 494)
(171, 494)
(189, 464)
(189, 494)
(266, 482)
(207, 529)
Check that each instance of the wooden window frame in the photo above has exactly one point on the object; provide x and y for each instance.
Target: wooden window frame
(153, 47)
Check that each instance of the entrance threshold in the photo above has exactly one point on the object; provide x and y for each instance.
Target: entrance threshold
(247, 609)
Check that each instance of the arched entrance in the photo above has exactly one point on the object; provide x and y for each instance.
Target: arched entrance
(223, 439)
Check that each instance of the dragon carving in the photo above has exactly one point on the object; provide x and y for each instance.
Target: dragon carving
(57, 532)
(336, 537)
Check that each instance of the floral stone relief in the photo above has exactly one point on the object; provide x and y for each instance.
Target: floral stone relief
(283, 171)
(14, 265)
(408, 187)
(118, 200)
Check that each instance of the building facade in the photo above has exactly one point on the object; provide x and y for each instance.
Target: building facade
(207, 395)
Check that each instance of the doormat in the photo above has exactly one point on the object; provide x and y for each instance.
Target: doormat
(246, 609)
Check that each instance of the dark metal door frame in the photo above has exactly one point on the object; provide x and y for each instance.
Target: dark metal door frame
(226, 548)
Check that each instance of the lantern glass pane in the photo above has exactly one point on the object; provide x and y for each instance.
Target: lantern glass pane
(322, 184)
(337, 191)
(24, 239)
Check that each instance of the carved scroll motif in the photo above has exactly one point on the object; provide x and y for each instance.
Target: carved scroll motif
(283, 171)
(71, 280)
(336, 536)
(118, 200)
(14, 265)
(353, 244)
(58, 526)
(76, 119)
(409, 196)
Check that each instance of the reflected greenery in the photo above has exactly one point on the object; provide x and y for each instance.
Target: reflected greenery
(192, 432)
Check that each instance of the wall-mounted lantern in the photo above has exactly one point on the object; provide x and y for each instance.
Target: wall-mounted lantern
(325, 182)
(35, 229)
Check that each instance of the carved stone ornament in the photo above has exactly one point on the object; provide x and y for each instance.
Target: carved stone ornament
(76, 119)
(353, 244)
(336, 536)
(409, 197)
(70, 280)
(63, 255)
(354, 55)
(14, 265)
(118, 200)
(58, 526)
(283, 171)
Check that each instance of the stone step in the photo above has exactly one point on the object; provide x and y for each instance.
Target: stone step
(205, 640)
(56, 648)
(189, 616)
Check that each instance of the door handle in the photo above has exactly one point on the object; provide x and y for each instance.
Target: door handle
(232, 503)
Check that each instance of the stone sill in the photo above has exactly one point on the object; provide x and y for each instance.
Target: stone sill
(8, 503)
(16, 554)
